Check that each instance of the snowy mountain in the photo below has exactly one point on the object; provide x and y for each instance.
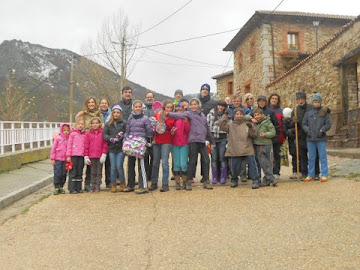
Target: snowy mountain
(44, 74)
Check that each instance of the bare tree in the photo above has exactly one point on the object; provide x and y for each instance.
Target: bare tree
(115, 46)
(12, 100)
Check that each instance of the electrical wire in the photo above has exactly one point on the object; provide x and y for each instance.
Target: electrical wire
(168, 17)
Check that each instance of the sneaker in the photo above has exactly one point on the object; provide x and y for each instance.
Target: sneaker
(308, 179)
(73, 192)
(265, 183)
(141, 191)
(128, 189)
(317, 178)
(57, 191)
(62, 191)
(164, 188)
(188, 185)
(234, 184)
(178, 187)
(184, 185)
(122, 186)
(87, 189)
(153, 187)
(324, 179)
(207, 185)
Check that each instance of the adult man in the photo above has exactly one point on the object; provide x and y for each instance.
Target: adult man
(207, 103)
(126, 102)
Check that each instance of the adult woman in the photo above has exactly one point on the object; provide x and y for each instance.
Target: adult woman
(274, 103)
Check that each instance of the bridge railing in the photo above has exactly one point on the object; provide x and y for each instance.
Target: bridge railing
(16, 136)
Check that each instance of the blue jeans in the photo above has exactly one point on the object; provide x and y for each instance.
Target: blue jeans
(161, 151)
(180, 155)
(321, 148)
(116, 166)
(218, 155)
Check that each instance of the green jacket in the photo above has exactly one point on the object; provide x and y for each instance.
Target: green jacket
(265, 126)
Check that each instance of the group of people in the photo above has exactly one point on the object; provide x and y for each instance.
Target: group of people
(243, 139)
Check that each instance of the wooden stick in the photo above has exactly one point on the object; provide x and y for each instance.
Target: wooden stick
(297, 144)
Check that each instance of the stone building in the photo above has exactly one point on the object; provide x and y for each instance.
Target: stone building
(334, 71)
(224, 84)
(271, 43)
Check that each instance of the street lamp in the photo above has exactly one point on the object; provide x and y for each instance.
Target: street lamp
(316, 25)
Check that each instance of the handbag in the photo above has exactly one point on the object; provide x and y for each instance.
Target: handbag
(134, 146)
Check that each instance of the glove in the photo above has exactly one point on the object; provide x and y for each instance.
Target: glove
(103, 158)
(87, 160)
(114, 140)
(249, 124)
(323, 111)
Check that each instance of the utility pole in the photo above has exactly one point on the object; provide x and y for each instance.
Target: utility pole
(71, 90)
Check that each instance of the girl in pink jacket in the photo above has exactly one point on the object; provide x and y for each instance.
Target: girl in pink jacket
(75, 153)
(58, 158)
(180, 148)
(95, 152)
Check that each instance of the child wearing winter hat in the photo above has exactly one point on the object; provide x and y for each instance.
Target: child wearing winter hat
(58, 158)
(315, 128)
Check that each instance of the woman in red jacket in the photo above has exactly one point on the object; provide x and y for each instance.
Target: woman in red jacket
(162, 145)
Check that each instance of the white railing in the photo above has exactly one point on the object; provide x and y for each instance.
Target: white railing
(16, 136)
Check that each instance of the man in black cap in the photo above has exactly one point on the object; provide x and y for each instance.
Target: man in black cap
(207, 103)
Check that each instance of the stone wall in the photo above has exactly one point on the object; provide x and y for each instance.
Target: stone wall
(222, 85)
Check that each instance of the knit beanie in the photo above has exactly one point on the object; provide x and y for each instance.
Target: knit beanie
(287, 112)
(300, 95)
(262, 98)
(116, 107)
(205, 86)
(179, 91)
(317, 97)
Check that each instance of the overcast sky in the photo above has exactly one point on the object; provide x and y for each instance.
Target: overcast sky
(67, 24)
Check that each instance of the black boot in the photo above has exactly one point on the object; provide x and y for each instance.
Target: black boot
(72, 186)
(234, 183)
(79, 185)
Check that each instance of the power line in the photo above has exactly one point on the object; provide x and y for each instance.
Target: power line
(186, 59)
(173, 64)
(227, 64)
(168, 17)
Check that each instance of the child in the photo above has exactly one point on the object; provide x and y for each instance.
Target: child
(75, 154)
(240, 146)
(315, 128)
(289, 133)
(237, 103)
(180, 150)
(95, 152)
(137, 125)
(162, 145)
(263, 146)
(113, 133)
(218, 150)
(198, 135)
(58, 158)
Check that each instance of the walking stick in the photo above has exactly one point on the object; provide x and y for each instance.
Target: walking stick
(296, 143)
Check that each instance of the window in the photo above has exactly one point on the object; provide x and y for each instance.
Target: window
(247, 88)
(240, 61)
(230, 88)
(252, 51)
(293, 41)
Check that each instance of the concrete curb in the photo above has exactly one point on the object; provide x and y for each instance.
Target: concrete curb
(21, 193)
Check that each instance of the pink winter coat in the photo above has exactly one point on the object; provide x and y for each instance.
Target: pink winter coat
(95, 145)
(58, 150)
(76, 144)
(181, 134)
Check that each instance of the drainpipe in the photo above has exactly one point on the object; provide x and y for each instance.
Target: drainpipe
(273, 48)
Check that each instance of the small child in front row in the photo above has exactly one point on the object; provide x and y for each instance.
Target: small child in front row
(58, 158)
(289, 133)
(240, 146)
(180, 151)
(75, 154)
(198, 135)
(263, 146)
(95, 152)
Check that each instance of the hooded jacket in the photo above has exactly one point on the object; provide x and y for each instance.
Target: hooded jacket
(315, 126)
(265, 126)
(112, 131)
(181, 134)
(240, 137)
(274, 120)
(95, 145)
(87, 116)
(58, 150)
(76, 144)
(199, 128)
(138, 125)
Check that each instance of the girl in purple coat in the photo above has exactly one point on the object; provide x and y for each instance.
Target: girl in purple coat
(137, 125)
(95, 152)
(58, 158)
(75, 154)
(198, 135)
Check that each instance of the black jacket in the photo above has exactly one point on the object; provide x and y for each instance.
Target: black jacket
(207, 104)
(126, 106)
(111, 132)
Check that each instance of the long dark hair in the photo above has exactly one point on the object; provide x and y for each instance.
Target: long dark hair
(276, 95)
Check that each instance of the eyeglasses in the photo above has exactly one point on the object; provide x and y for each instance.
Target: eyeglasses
(249, 99)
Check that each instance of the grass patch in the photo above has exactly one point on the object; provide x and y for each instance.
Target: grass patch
(27, 209)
